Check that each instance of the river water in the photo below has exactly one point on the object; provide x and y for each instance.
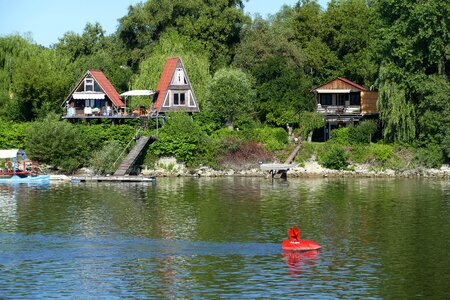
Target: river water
(221, 238)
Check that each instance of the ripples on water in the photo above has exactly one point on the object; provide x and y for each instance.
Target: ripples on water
(221, 238)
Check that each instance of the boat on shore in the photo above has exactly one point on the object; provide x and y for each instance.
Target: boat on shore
(19, 169)
(24, 179)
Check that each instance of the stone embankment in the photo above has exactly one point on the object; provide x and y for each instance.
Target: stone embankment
(168, 167)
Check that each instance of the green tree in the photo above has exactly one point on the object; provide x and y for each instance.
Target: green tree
(182, 137)
(416, 34)
(269, 52)
(56, 143)
(349, 30)
(93, 50)
(230, 95)
(14, 50)
(308, 26)
(92, 40)
(12, 135)
(434, 112)
(195, 60)
(414, 76)
(216, 24)
(397, 112)
(307, 122)
(283, 92)
(266, 39)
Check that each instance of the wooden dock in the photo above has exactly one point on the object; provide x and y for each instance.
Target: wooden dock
(132, 157)
(113, 179)
(281, 169)
(277, 169)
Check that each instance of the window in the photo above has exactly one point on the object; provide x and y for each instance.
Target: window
(325, 99)
(89, 103)
(89, 85)
(355, 98)
(341, 99)
(179, 99)
(97, 87)
(179, 77)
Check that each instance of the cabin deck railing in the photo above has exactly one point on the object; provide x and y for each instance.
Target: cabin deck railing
(339, 109)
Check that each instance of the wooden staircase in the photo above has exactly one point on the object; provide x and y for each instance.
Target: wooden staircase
(280, 170)
(294, 153)
(132, 157)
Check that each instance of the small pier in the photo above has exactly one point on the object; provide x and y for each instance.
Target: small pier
(113, 179)
(281, 169)
(277, 169)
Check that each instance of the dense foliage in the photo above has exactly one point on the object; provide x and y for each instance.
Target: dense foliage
(250, 73)
(182, 137)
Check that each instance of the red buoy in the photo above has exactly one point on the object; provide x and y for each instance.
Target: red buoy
(296, 244)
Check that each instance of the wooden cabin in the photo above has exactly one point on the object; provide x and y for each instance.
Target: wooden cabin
(344, 102)
(93, 96)
(174, 91)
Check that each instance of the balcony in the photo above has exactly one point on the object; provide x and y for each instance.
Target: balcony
(339, 109)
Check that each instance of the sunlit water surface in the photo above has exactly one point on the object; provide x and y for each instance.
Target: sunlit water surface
(221, 238)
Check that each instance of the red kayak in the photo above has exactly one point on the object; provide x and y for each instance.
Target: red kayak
(296, 244)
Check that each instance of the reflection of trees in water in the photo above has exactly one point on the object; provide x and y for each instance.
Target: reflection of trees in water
(7, 207)
(15, 197)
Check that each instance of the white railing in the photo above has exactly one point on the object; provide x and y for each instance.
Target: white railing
(338, 109)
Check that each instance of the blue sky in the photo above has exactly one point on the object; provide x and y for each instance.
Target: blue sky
(48, 20)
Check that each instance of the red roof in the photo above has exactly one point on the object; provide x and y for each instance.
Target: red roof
(107, 87)
(345, 80)
(164, 81)
(352, 83)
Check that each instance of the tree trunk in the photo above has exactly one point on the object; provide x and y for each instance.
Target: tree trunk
(310, 134)
(230, 125)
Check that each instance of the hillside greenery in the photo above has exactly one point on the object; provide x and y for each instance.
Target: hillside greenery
(252, 76)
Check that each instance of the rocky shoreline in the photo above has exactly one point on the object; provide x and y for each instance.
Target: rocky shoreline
(170, 168)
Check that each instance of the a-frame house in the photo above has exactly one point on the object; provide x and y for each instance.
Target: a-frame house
(174, 91)
(94, 95)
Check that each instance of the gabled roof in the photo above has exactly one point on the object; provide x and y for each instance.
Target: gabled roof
(345, 81)
(165, 80)
(104, 84)
(107, 87)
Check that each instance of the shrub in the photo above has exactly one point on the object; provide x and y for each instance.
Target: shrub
(340, 136)
(333, 157)
(103, 161)
(446, 148)
(56, 143)
(239, 154)
(431, 156)
(381, 152)
(12, 135)
(306, 152)
(359, 154)
(272, 138)
(184, 139)
(363, 132)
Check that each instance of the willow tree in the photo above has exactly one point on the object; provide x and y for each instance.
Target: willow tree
(397, 111)
(414, 49)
